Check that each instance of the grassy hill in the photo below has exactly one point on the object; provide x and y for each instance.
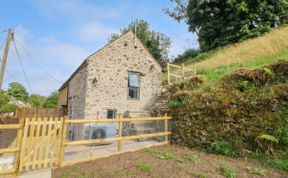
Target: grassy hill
(250, 53)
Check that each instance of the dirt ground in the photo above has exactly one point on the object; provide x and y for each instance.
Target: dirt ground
(167, 161)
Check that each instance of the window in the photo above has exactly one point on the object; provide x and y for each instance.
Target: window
(111, 113)
(133, 85)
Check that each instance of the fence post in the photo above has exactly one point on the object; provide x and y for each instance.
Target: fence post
(18, 145)
(120, 125)
(168, 74)
(63, 140)
(166, 127)
(182, 72)
(194, 72)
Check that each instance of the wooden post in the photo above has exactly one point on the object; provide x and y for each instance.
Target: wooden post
(182, 72)
(166, 127)
(194, 72)
(120, 124)
(18, 145)
(63, 140)
(168, 74)
(5, 55)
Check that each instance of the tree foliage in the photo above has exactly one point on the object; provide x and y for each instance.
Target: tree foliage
(222, 22)
(37, 101)
(157, 43)
(18, 91)
(4, 98)
(188, 54)
(51, 101)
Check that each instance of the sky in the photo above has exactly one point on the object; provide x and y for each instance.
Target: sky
(54, 36)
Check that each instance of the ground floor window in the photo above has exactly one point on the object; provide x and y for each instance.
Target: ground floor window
(111, 113)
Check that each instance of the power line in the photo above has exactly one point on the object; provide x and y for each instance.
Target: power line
(22, 66)
(34, 60)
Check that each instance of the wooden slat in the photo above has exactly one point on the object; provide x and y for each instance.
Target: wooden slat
(175, 75)
(7, 171)
(47, 147)
(63, 140)
(35, 146)
(18, 144)
(30, 143)
(10, 126)
(23, 145)
(9, 150)
(81, 142)
(83, 121)
(59, 138)
(42, 142)
(173, 65)
(53, 139)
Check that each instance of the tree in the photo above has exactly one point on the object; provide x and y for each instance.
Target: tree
(188, 54)
(157, 43)
(222, 22)
(37, 100)
(51, 101)
(4, 98)
(8, 108)
(18, 91)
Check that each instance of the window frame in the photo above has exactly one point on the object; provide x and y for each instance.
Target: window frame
(114, 111)
(137, 88)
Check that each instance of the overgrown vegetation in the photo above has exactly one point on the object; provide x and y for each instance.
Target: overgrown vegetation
(246, 111)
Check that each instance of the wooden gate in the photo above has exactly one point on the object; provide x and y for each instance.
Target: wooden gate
(41, 141)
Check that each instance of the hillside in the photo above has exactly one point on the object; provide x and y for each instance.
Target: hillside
(250, 53)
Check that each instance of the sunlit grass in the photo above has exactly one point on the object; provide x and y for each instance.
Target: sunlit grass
(248, 51)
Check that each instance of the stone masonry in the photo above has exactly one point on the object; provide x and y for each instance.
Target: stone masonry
(101, 82)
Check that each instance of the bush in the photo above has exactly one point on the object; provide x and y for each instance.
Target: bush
(8, 108)
(223, 148)
(203, 117)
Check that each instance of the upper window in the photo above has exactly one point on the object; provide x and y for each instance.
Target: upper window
(133, 85)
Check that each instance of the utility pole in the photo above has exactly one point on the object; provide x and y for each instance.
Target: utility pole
(5, 55)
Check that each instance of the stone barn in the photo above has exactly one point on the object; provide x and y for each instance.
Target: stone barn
(122, 77)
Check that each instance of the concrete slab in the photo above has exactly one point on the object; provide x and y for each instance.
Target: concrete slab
(40, 173)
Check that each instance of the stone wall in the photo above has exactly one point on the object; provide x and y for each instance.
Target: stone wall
(107, 81)
(76, 101)
(103, 83)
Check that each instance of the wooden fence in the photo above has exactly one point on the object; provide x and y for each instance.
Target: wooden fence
(41, 141)
(178, 73)
(40, 112)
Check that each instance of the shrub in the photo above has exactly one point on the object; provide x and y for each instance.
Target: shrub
(8, 108)
(224, 148)
(225, 113)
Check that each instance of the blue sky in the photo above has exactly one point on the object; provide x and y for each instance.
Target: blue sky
(59, 34)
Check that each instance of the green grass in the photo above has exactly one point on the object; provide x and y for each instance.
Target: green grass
(256, 171)
(217, 73)
(227, 172)
(193, 158)
(67, 175)
(161, 155)
(144, 167)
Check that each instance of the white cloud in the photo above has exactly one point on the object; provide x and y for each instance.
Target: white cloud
(76, 10)
(93, 31)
